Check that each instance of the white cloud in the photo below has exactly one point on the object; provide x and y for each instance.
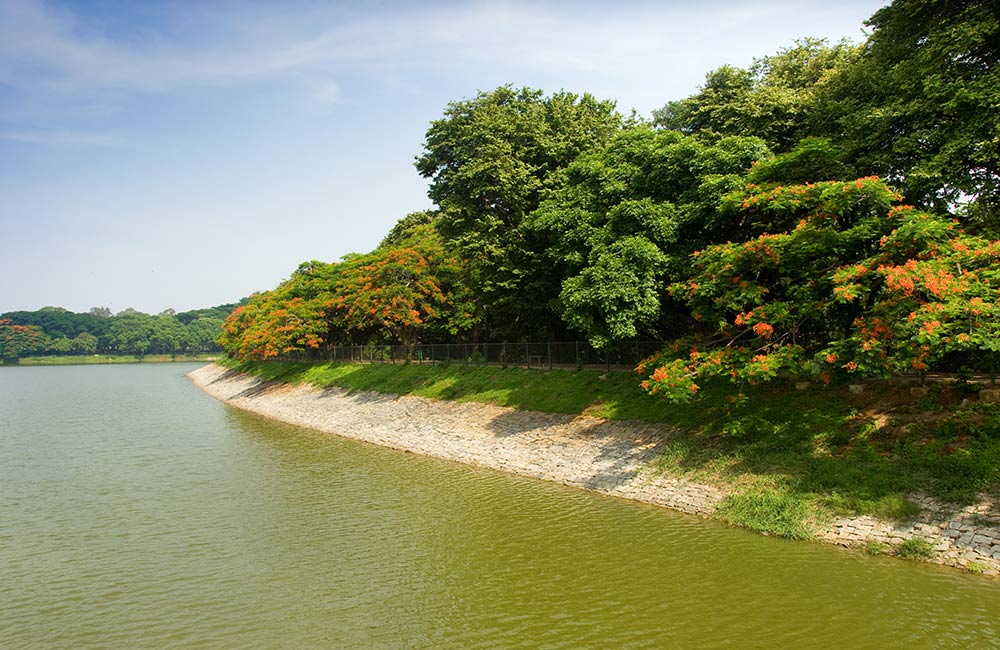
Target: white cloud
(40, 45)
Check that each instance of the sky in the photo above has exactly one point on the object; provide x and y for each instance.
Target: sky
(181, 155)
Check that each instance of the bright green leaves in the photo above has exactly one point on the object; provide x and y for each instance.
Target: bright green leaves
(622, 226)
(611, 297)
(491, 160)
(776, 99)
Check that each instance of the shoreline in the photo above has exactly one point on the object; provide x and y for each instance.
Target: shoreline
(607, 456)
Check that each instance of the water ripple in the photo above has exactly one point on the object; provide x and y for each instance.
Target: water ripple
(137, 512)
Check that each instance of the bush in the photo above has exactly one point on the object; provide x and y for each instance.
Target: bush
(767, 511)
(915, 548)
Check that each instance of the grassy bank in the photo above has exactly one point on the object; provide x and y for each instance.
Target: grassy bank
(787, 458)
(85, 359)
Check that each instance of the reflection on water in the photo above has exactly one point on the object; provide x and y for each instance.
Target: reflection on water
(137, 512)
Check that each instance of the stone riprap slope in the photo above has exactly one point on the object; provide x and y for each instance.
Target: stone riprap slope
(600, 455)
(612, 457)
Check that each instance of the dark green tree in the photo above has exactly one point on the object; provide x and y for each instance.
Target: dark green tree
(776, 99)
(491, 160)
(921, 106)
(626, 221)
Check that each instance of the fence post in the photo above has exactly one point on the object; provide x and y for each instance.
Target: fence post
(548, 352)
(503, 354)
(607, 358)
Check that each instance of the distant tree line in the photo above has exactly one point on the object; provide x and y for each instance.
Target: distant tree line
(57, 331)
(832, 210)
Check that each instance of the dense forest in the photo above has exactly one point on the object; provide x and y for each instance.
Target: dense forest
(830, 211)
(57, 331)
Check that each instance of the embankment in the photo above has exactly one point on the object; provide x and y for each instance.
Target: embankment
(611, 457)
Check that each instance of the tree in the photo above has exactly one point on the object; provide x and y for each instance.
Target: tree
(406, 290)
(775, 99)
(200, 334)
(292, 318)
(84, 343)
(840, 281)
(491, 160)
(131, 332)
(18, 341)
(61, 345)
(405, 227)
(626, 219)
(921, 106)
(399, 293)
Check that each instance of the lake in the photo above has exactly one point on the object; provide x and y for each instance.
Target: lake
(137, 512)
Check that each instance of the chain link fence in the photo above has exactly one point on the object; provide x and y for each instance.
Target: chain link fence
(571, 355)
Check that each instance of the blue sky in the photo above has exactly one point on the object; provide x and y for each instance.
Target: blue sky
(186, 154)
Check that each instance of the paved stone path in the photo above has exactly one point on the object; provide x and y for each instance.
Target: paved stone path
(612, 457)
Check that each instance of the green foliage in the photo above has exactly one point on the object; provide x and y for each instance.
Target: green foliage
(775, 99)
(812, 160)
(130, 332)
(406, 227)
(920, 106)
(915, 548)
(491, 160)
(768, 511)
(609, 299)
(873, 547)
(626, 220)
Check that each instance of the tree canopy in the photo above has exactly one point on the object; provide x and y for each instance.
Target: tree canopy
(491, 160)
(130, 332)
(829, 212)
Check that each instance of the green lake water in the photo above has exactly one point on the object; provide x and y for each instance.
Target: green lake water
(137, 512)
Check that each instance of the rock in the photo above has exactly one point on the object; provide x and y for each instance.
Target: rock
(919, 391)
(989, 395)
(856, 389)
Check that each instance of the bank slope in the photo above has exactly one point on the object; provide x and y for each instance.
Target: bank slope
(613, 457)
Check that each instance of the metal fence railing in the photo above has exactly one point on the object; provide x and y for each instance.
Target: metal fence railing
(573, 354)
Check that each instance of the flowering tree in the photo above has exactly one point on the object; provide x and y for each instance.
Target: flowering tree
(404, 290)
(832, 278)
(392, 293)
(18, 341)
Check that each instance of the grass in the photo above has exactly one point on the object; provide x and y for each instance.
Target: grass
(915, 548)
(787, 458)
(87, 359)
(874, 547)
(768, 511)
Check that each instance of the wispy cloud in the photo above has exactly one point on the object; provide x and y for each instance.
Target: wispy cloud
(47, 50)
(45, 45)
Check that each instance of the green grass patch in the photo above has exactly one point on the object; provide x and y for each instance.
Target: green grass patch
(792, 456)
(768, 511)
(93, 359)
(873, 547)
(915, 548)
